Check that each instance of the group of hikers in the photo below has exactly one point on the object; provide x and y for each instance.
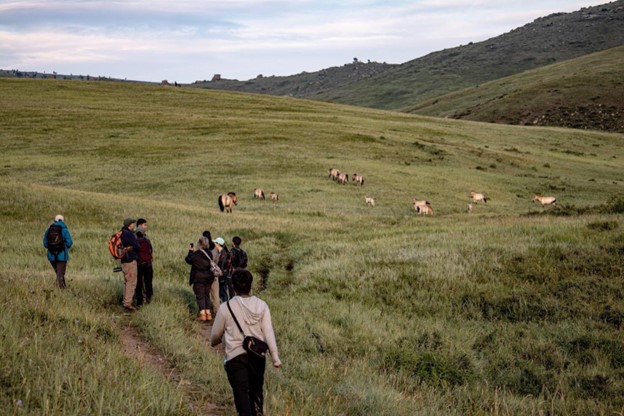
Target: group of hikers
(218, 275)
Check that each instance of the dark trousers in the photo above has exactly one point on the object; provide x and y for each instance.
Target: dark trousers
(60, 267)
(246, 376)
(202, 294)
(144, 290)
(226, 290)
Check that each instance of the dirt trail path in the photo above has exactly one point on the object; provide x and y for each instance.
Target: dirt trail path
(136, 347)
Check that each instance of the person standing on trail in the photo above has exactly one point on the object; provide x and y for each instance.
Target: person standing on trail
(58, 241)
(145, 272)
(223, 261)
(245, 371)
(129, 261)
(201, 277)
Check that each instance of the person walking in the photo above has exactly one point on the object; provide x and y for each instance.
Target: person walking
(223, 261)
(58, 241)
(145, 272)
(129, 261)
(201, 277)
(238, 256)
(214, 288)
(245, 372)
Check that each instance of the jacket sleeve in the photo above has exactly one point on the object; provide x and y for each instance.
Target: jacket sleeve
(269, 337)
(45, 237)
(218, 328)
(189, 257)
(67, 237)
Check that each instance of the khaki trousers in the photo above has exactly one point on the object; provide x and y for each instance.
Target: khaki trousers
(214, 295)
(130, 281)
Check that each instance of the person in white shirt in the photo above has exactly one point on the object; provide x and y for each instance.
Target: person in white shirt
(245, 371)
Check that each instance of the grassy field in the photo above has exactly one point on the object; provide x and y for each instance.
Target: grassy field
(512, 309)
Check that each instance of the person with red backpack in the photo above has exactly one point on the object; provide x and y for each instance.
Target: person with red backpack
(145, 272)
(58, 241)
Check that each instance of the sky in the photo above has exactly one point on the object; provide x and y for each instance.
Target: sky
(189, 40)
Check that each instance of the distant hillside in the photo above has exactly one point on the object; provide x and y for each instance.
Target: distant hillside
(585, 93)
(545, 41)
(305, 84)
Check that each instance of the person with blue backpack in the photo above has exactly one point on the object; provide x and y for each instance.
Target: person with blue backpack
(58, 241)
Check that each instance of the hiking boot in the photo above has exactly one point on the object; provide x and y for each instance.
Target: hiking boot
(202, 315)
(208, 315)
(130, 308)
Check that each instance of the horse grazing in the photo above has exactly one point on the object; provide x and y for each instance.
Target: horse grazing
(419, 203)
(226, 201)
(334, 173)
(358, 179)
(343, 178)
(477, 197)
(258, 193)
(274, 196)
(424, 210)
(370, 201)
(545, 200)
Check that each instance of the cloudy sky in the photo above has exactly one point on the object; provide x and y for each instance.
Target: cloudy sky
(188, 40)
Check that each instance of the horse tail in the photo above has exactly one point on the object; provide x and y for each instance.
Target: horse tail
(221, 203)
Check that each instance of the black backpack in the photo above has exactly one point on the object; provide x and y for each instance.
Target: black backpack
(239, 258)
(56, 243)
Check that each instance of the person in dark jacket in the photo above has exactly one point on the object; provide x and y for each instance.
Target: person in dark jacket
(223, 261)
(145, 272)
(129, 261)
(60, 256)
(201, 277)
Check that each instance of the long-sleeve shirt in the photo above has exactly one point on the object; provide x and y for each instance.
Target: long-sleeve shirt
(254, 317)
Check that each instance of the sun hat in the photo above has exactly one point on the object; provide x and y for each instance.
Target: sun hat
(219, 240)
(59, 217)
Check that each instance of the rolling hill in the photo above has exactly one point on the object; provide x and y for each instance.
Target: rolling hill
(405, 87)
(583, 93)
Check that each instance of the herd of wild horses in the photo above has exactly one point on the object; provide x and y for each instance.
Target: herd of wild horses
(421, 206)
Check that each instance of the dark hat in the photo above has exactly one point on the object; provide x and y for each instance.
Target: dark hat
(129, 221)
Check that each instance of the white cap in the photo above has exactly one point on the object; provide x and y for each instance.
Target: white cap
(59, 217)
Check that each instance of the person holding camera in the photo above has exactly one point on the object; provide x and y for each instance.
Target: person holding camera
(245, 315)
(201, 277)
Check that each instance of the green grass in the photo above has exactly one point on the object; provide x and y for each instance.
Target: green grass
(513, 309)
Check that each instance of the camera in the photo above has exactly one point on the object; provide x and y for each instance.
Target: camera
(117, 269)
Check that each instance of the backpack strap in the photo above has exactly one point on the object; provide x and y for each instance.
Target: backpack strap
(235, 320)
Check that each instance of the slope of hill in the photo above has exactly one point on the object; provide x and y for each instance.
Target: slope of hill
(585, 93)
(512, 309)
(547, 40)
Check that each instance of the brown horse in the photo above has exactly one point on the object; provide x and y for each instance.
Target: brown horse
(545, 200)
(478, 197)
(226, 202)
(358, 179)
(333, 173)
(274, 196)
(424, 210)
(258, 193)
(343, 179)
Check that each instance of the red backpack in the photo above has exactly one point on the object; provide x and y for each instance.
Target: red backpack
(115, 247)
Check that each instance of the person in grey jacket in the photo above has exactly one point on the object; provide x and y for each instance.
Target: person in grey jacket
(58, 256)
(245, 371)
